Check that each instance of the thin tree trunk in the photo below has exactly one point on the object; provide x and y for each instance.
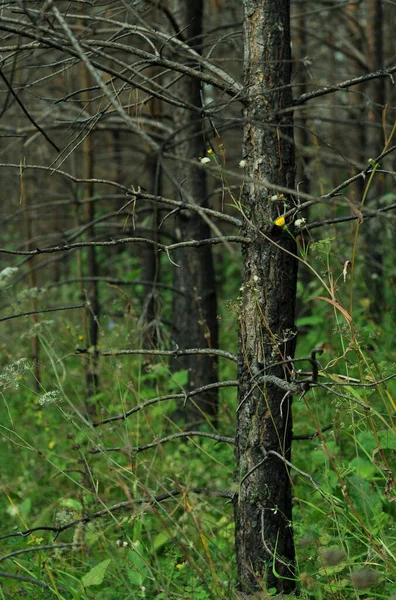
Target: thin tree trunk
(27, 220)
(356, 98)
(302, 135)
(151, 264)
(195, 307)
(92, 311)
(375, 143)
(263, 510)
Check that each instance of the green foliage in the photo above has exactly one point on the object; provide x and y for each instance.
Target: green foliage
(56, 468)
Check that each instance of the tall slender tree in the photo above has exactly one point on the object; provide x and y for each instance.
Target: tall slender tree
(194, 306)
(375, 144)
(263, 510)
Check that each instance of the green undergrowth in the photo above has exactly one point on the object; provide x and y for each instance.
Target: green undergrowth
(156, 526)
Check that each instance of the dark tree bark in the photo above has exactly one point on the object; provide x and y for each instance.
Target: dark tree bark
(91, 314)
(263, 510)
(27, 221)
(353, 14)
(375, 144)
(194, 306)
(151, 264)
(302, 135)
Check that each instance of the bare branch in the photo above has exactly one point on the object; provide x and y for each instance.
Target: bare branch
(29, 116)
(130, 192)
(128, 240)
(135, 449)
(345, 396)
(336, 191)
(181, 396)
(344, 85)
(312, 436)
(38, 312)
(36, 548)
(173, 353)
(121, 505)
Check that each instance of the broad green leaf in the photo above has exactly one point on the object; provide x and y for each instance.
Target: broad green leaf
(139, 570)
(71, 503)
(97, 574)
(387, 439)
(363, 467)
(179, 379)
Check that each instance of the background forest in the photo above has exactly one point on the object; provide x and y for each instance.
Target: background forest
(197, 226)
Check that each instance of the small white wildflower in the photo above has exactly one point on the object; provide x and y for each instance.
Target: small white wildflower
(49, 398)
(274, 197)
(205, 160)
(6, 274)
(12, 374)
(255, 278)
(37, 328)
(28, 293)
(300, 223)
(12, 510)
(242, 164)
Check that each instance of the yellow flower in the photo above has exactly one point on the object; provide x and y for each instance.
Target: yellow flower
(210, 151)
(280, 221)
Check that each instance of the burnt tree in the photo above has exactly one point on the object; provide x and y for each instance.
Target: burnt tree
(263, 509)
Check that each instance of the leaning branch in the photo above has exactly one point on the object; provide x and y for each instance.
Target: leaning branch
(339, 188)
(183, 396)
(129, 240)
(29, 116)
(182, 434)
(135, 195)
(172, 353)
(38, 312)
(344, 85)
(116, 507)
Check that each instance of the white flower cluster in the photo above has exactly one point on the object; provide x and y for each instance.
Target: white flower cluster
(13, 373)
(300, 223)
(37, 328)
(49, 398)
(6, 274)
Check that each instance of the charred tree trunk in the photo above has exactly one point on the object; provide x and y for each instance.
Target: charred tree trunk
(194, 306)
(263, 510)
